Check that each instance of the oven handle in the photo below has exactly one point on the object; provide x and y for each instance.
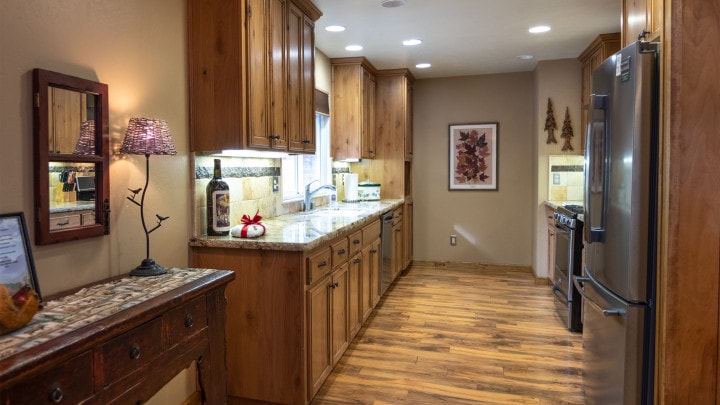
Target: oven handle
(578, 281)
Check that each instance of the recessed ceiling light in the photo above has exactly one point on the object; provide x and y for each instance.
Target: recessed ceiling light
(354, 48)
(411, 42)
(525, 57)
(539, 29)
(423, 65)
(335, 28)
(392, 3)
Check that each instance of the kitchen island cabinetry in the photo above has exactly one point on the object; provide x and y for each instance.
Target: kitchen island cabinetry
(353, 106)
(250, 67)
(292, 313)
(600, 49)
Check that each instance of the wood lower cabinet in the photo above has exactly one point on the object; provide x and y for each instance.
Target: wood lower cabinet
(121, 354)
(551, 242)
(398, 243)
(251, 73)
(290, 313)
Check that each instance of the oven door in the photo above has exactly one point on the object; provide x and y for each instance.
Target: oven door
(561, 275)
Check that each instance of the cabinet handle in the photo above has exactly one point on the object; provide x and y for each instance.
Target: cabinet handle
(357, 260)
(341, 252)
(189, 323)
(356, 242)
(135, 351)
(373, 251)
(63, 223)
(322, 264)
(305, 141)
(334, 285)
(55, 395)
(371, 151)
(397, 230)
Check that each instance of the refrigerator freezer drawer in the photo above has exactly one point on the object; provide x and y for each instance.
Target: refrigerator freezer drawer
(612, 346)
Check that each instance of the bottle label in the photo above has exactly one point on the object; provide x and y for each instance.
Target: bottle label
(221, 210)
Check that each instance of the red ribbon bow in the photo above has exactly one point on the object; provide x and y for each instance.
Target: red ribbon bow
(249, 221)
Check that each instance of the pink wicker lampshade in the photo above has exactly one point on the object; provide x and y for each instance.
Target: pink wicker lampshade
(86, 143)
(148, 136)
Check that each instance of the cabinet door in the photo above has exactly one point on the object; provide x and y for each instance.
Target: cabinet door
(407, 233)
(366, 298)
(397, 246)
(368, 146)
(318, 314)
(266, 77)
(375, 269)
(355, 297)
(300, 96)
(408, 120)
(339, 310)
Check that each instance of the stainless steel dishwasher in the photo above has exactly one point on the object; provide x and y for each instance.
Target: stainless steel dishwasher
(387, 251)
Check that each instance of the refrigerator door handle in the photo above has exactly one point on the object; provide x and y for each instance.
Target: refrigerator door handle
(597, 172)
(578, 281)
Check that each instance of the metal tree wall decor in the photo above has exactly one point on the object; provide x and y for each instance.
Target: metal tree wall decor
(567, 131)
(550, 125)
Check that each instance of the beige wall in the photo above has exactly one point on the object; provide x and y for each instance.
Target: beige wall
(137, 48)
(493, 227)
(560, 81)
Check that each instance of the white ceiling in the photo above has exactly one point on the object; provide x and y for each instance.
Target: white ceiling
(464, 37)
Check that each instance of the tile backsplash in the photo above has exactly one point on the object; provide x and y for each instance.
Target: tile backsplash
(566, 178)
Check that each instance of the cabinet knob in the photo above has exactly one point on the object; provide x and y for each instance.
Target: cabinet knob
(305, 141)
(189, 323)
(357, 260)
(322, 263)
(55, 395)
(135, 351)
(356, 242)
(341, 251)
(373, 251)
(334, 285)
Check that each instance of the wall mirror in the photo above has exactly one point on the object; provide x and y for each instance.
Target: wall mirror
(71, 157)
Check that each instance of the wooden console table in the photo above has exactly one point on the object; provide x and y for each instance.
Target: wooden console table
(120, 341)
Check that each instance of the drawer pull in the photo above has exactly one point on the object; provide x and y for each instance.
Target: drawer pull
(356, 242)
(55, 394)
(357, 260)
(334, 285)
(322, 263)
(67, 222)
(341, 252)
(189, 323)
(373, 251)
(135, 352)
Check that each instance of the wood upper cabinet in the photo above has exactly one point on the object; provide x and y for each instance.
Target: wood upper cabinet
(301, 81)
(604, 46)
(353, 109)
(641, 16)
(251, 74)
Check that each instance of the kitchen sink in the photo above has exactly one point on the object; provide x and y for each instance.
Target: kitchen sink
(336, 212)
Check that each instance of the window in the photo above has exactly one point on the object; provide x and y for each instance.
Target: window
(299, 170)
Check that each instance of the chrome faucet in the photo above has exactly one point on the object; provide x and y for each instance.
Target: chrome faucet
(309, 194)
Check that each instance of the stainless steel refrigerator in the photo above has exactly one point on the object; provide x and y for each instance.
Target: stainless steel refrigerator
(618, 282)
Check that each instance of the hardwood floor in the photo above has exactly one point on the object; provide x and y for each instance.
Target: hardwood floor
(449, 334)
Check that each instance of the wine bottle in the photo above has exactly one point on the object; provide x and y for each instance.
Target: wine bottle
(218, 204)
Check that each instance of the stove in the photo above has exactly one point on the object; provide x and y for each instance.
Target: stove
(568, 263)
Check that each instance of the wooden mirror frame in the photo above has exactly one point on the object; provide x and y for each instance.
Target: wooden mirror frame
(43, 80)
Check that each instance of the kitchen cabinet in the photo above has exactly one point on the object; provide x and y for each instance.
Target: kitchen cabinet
(407, 231)
(398, 243)
(114, 351)
(353, 109)
(250, 67)
(600, 49)
(551, 242)
(640, 16)
(297, 311)
(301, 83)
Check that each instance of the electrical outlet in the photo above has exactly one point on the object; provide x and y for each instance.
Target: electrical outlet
(453, 240)
(275, 184)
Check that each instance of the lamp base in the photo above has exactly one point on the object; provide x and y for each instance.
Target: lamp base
(148, 268)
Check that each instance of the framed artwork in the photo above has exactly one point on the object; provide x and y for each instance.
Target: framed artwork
(17, 268)
(473, 156)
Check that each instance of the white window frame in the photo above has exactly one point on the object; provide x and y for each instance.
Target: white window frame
(294, 172)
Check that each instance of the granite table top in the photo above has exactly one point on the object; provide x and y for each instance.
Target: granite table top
(303, 231)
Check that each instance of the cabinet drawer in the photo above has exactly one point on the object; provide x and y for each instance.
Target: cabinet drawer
(88, 218)
(356, 242)
(340, 252)
(133, 349)
(183, 322)
(68, 383)
(397, 215)
(64, 222)
(318, 264)
(371, 232)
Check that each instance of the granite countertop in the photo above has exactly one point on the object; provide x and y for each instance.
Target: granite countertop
(71, 206)
(303, 231)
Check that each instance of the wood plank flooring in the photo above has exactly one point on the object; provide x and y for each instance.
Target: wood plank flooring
(454, 334)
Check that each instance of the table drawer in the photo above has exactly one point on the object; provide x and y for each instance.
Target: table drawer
(340, 252)
(356, 242)
(68, 383)
(182, 323)
(133, 349)
(318, 265)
